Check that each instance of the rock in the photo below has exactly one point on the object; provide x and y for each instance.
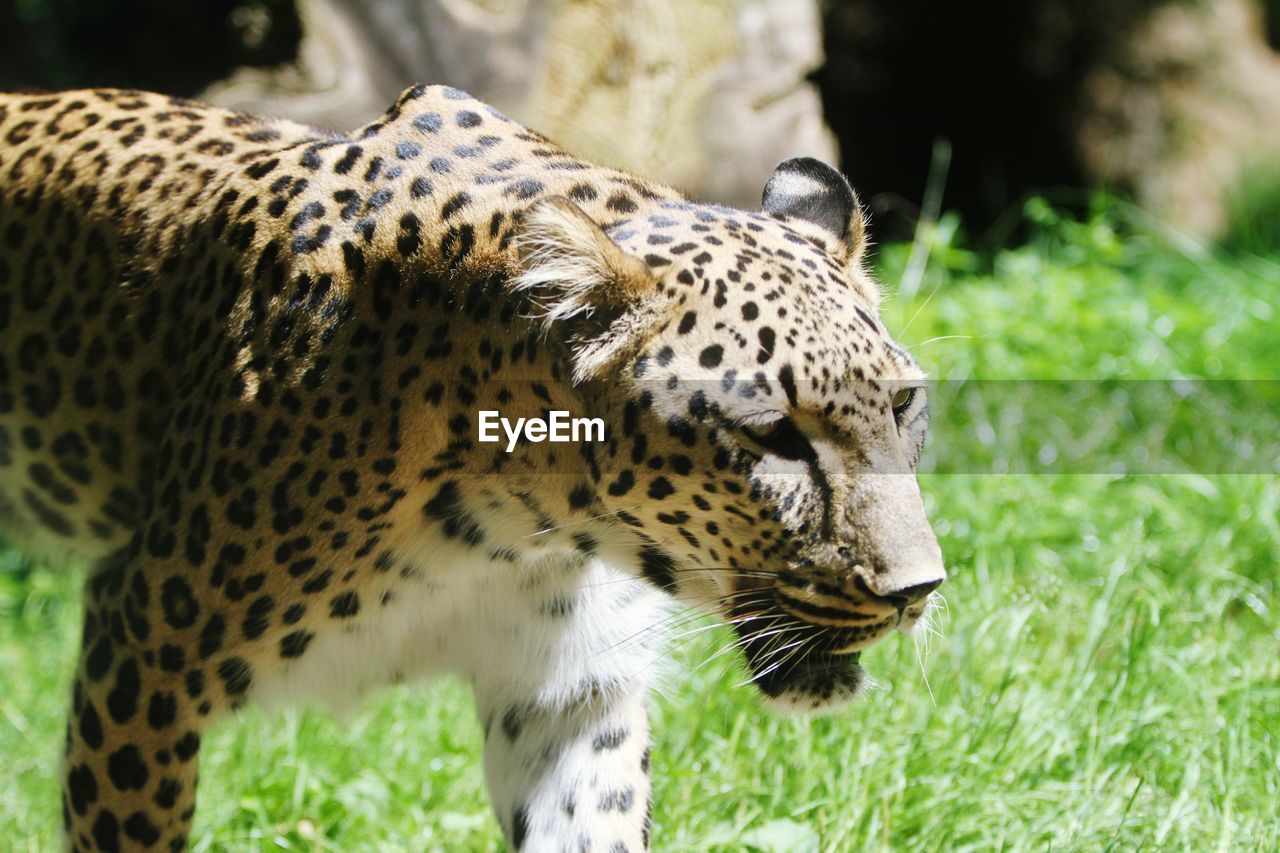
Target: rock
(1174, 102)
(706, 95)
(1187, 113)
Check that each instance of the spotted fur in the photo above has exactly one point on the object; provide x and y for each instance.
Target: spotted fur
(241, 362)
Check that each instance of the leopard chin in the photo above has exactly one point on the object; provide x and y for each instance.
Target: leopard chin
(819, 683)
(806, 676)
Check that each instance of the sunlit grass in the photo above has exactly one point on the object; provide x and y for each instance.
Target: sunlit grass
(1108, 674)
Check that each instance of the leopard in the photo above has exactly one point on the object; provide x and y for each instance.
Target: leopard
(242, 365)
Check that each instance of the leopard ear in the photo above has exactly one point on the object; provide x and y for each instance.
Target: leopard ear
(570, 266)
(582, 283)
(807, 189)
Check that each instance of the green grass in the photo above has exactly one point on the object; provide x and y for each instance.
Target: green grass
(1108, 675)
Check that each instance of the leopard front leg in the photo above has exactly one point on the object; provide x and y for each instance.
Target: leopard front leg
(571, 778)
(139, 706)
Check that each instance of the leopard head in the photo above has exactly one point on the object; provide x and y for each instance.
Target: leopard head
(764, 426)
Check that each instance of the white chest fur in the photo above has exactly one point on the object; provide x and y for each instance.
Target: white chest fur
(538, 631)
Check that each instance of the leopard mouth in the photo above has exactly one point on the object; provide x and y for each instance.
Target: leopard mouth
(850, 616)
(844, 631)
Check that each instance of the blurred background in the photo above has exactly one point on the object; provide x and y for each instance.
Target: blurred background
(1077, 219)
(971, 106)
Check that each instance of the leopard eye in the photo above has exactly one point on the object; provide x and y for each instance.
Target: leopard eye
(780, 438)
(902, 400)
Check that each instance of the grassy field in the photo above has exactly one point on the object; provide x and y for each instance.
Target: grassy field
(1107, 674)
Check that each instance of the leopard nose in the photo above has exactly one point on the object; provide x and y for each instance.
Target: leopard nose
(909, 591)
(900, 589)
(913, 594)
